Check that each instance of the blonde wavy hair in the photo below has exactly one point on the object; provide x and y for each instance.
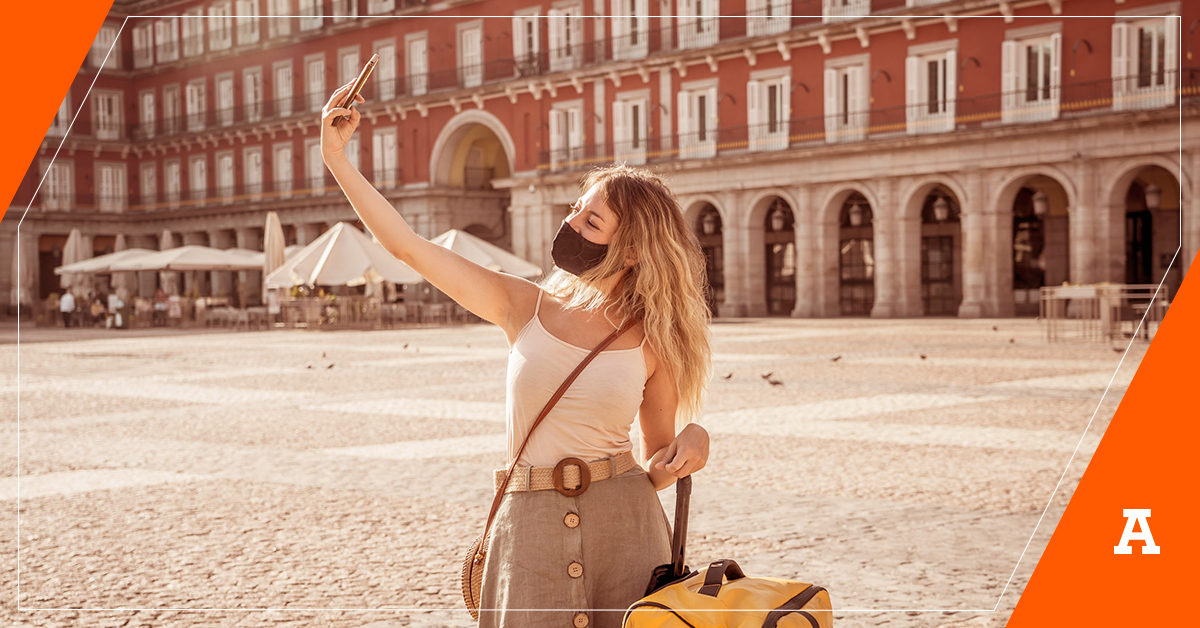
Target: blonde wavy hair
(664, 290)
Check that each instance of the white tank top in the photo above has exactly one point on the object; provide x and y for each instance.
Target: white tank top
(592, 419)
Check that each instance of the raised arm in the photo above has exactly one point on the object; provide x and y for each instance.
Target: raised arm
(496, 297)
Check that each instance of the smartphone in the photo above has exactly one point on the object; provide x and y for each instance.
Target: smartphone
(358, 85)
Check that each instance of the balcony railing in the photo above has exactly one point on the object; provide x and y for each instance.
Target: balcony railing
(1075, 100)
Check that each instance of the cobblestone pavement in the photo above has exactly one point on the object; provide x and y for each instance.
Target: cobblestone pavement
(902, 464)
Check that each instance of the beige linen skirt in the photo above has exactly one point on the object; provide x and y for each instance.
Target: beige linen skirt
(562, 562)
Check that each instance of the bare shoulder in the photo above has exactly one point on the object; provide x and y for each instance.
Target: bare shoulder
(524, 297)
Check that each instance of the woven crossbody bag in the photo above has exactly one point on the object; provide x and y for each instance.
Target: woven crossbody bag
(472, 569)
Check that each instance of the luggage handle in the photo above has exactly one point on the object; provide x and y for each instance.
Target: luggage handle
(716, 574)
(683, 493)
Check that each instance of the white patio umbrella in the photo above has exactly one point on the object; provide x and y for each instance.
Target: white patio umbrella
(74, 251)
(190, 257)
(342, 256)
(486, 254)
(273, 244)
(24, 254)
(101, 263)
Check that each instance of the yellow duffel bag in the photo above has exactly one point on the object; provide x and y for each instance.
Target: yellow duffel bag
(721, 595)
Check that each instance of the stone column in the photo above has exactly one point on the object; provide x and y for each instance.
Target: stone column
(887, 266)
(1090, 230)
(1191, 213)
(806, 263)
(145, 279)
(733, 245)
(249, 281)
(194, 281)
(974, 248)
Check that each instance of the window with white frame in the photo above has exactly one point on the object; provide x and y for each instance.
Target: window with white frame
(225, 99)
(252, 94)
(768, 17)
(930, 84)
(143, 46)
(149, 184)
(220, 27)
(314, 166)
(699, 23)
(252, 170)
(195, 105)
(283, 88)
(62, 118)
(311, 16)
(375, 7)
(247, 22)
(198, 176)
(566, 133)
(166, 34)
(282, 160)
(58, 190)
(110, 187)
(348, 67)
(314, 77)
(383, 157)
(106, 115)
(837, 10)
(566, 37)
(470, 54)
(385, 85)
(172, 181)
(696, 119)
(225, 176)
(344, 10)
(526, 45)
(847, 90)
(193, 32)
(1031, 74)
(99, 54)
(631, 128)
(146, 113)
(1145, 62)
(418, 64)
(171, 112)
(630, 29)
(279, 26)
(768, 107)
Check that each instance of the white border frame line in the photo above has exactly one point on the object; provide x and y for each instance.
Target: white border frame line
(425, 609)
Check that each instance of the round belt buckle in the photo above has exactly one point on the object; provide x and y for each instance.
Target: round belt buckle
(585, 477)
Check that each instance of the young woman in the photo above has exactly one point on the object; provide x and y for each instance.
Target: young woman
(625, 254)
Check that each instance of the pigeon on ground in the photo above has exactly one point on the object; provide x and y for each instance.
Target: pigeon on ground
(836, 358)
(322, 354)
(994, 328)
(406, 345)
(1117, 349)
(310, 366)
(727, 376)
(767, 375)
(774, 382)
(328, 367)
(1012, 341)
(922, 356)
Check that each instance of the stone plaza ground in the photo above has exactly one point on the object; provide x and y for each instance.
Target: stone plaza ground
(902, 464)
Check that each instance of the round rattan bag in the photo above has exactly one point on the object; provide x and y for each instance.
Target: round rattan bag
(472, 574)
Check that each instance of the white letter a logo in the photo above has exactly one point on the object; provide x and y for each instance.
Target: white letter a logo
(1138, 515)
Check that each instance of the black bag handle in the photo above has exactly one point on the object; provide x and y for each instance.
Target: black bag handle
(683, 495)
(716, 574)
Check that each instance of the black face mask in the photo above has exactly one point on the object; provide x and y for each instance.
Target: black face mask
(574, 253)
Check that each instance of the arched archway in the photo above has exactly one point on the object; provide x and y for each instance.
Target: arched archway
(1041, 241)
(1147, 196)
(706, 222)
(475, 139)
(941, 253)
(779, 244)
(856, 256)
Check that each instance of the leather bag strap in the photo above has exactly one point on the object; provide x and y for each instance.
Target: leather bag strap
(545, 411)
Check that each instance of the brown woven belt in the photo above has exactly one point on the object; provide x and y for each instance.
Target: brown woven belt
(571, 476)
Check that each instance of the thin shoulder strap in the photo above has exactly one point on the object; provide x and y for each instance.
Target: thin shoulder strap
(512, 465)
(539, 303)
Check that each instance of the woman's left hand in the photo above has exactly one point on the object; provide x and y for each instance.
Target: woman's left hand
(688, 453)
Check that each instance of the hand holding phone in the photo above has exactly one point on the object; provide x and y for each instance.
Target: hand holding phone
(358, 85)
